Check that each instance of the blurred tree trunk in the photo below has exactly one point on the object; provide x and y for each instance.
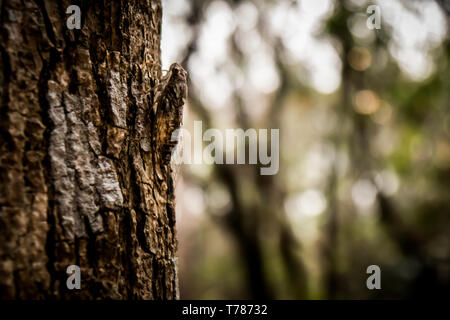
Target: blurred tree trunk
(85, 176)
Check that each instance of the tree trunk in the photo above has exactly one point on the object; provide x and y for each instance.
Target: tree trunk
(85, 174)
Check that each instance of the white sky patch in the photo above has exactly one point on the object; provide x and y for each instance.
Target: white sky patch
(262, 72)
(246, 16)
(310, 203)
(193, 200)
(414, 34)
(314, 11)
(364, 194)
(317, 164)
(249, 41)
(218, 198)
(325, 67)
(210, 77)
(357, 25)
(298, 26)
(173, 25)
(387, 181)
(214, 86)
(214, 34)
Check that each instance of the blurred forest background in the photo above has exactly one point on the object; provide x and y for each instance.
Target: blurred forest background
(364, 118)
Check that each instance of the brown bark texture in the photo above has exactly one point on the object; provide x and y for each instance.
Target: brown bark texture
(86, 118)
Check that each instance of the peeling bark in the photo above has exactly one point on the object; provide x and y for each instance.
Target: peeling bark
(85, 175)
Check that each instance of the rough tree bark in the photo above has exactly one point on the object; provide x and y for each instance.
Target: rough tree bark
(85, 176)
